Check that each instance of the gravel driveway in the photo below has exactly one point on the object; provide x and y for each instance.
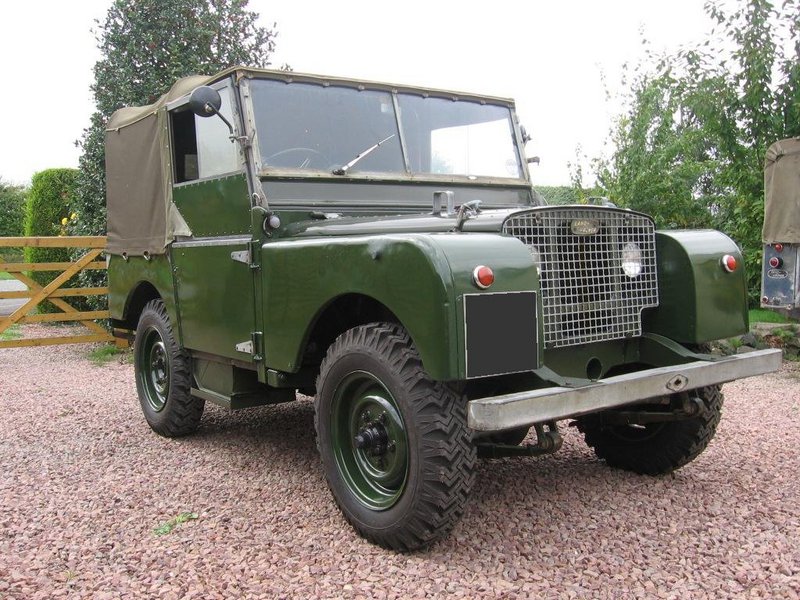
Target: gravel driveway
(84, 484)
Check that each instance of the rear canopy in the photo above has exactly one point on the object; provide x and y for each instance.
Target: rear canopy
(782, 192)
(141, 215)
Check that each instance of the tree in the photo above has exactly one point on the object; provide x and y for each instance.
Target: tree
(12, 209)
(690, 147)
(146, 45)
(558, 194)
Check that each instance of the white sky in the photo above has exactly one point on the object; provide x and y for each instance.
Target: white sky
(550, 56)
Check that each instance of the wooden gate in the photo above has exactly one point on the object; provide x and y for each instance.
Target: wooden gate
(53, 291)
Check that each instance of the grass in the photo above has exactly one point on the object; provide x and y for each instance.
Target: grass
(167, 526)
(105, 354)
(12, 333)
(5, 275)
(762, 315)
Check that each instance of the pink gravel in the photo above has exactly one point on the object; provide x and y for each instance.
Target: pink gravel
(85, 482)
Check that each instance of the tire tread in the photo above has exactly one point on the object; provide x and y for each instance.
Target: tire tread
(448, 454)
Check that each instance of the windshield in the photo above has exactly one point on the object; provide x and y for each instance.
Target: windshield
(346, 132)
(305, 126)
(458, 138)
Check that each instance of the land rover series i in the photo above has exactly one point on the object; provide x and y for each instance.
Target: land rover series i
(380, 247)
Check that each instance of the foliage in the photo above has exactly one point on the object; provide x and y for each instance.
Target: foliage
(761, 315)
(558, 194)
(46, 206)
(104, 354)
(12, 209)
(145, 46)
(12, 333)
(167, 526)
(690, 148)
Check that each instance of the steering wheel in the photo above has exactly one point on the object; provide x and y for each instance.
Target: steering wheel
(307, 158)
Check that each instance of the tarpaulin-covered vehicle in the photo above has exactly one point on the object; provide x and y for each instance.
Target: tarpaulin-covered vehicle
(780, 282)
(381, 247)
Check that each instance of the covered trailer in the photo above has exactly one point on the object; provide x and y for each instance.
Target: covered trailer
(780, 287)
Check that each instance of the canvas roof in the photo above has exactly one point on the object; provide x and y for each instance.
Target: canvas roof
(141, 215)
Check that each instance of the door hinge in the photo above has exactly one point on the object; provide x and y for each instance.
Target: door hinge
(252, 346)
(254, 250)
(258, 345)
(242, 256)
(246, 347)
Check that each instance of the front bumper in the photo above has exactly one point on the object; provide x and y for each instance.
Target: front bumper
(555, 403)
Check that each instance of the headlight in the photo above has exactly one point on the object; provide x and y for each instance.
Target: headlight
(631, 260)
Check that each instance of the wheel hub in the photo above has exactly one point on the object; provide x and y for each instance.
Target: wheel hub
(158, 367)
(153, 368)
(373, 438)
(370, 442)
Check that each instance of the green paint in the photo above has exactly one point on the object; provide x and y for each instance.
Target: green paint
(215, 206)
(129, 280)
(419, 278)
(155, 371)
(698, 300)
(363, 248)
(362, 405)
(215, 296)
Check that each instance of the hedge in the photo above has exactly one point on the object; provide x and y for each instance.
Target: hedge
(46, 206)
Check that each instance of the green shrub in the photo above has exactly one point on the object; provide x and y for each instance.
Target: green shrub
(12, 209)
(46, 206)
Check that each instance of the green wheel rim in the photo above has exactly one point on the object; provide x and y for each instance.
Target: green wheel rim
(154, 369)
(369, 440)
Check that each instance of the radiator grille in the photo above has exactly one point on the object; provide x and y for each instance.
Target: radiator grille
(586, 296)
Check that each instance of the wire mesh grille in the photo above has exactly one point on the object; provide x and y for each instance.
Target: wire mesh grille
(586, 294)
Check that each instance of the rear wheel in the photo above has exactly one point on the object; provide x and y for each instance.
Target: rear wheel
(163, 375)
(395, 446)
(656, 448)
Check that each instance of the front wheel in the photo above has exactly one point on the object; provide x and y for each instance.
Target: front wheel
(656, 448)
(395, 447)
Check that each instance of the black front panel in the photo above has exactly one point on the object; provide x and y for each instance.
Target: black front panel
(501, 333)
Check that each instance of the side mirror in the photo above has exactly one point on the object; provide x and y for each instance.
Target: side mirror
(205, 101)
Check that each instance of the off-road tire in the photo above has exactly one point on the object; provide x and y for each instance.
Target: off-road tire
(656, 448)
(439, 469)
(168, 406)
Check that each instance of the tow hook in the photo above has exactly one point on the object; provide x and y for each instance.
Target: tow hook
(548, 440)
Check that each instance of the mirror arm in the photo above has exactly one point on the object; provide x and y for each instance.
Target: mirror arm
(213, 111)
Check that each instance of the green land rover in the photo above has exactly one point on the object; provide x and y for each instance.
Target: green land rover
(380, 247)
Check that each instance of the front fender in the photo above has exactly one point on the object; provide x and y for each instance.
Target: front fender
(420, 278)
(699, 301)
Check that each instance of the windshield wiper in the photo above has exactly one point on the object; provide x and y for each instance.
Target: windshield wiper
(344, 169)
